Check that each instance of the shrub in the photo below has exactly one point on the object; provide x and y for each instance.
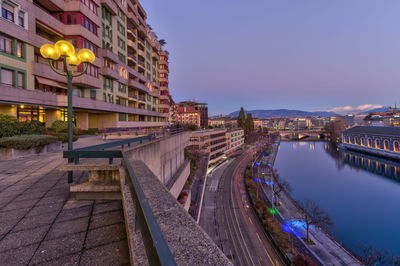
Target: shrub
(24, 142)
(10, 126)
(60, 126)
(63, 137)
(91, 131)
(7, 118)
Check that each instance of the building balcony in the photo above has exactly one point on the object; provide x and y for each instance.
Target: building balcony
(141, 54)
(155, 55)
(108, 54)
(79, 30)
(133, 96)
(110, 6)
(131, 33)
(132, 58)
(138, 85)
(133, 18)
(132, 45)
(106, 71)
(78, 5)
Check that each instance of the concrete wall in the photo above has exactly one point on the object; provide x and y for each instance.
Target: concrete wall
(163, 156)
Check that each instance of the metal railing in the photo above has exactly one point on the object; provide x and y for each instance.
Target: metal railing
(157, 249)
(98, 151)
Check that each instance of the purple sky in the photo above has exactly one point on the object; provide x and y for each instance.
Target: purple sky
(308, 55)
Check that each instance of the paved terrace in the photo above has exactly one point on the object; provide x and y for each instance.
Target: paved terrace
(39, 224)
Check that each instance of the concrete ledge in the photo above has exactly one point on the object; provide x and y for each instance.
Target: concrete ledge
(188, 242)
(96, 191)
(10, 154)
(89, 167)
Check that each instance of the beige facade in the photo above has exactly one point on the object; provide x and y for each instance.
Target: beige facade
(125, 86)
(234, 139)
(212, 141)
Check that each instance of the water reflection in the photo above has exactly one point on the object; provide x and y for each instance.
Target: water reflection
(376, 165)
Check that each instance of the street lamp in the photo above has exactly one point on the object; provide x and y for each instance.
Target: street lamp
(66, 51)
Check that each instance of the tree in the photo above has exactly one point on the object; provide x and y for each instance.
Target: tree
(249, 128)
(372, 256)
(241, 120)
(279, 185)
(313, 215)
(335, 128)
(162, 42)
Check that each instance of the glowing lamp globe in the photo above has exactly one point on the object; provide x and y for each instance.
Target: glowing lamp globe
(65, 48)
(86, 55)
(48, 51)
(73, 60)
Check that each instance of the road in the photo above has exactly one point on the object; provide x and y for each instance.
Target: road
(231, 222)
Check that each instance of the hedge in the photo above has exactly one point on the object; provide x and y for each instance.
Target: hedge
(25, 142)
(10, 126)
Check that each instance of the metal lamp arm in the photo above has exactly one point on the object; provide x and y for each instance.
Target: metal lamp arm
(83, 72)
(55, 69)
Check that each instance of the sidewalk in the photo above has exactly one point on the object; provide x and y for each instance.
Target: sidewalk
(39, 224)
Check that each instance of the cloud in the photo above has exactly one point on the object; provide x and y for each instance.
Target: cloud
(350, 109)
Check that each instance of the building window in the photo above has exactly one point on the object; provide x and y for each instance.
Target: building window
(122, 117)
(93, 94)
(6, 76)
(121, 57)
(107, 83)
(21, 80)
(6, 44)
(7, 12)
(122, 87)
(121, 43)
(21, 20)
(121, 28)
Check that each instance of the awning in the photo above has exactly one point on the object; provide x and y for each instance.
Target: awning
(50, 82)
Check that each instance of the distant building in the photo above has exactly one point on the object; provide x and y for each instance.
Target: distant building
(381, 141)
(188, 116)
(201, 108)
(234, 139)
(212, 141)
(223, 121)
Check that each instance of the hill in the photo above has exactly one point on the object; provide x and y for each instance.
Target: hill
(283, 113)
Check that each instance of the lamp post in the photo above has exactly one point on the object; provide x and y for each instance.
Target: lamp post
(65, 51)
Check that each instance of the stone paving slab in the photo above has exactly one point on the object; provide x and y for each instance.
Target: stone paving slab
(41, 225)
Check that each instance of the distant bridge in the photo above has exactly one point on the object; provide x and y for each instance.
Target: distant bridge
(306, 134)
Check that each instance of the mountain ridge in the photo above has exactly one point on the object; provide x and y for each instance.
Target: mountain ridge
(265, 113)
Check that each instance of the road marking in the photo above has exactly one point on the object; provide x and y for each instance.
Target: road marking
(259, 238)
(269, 257)
(226, 234)
(230, 251)
(250, 221)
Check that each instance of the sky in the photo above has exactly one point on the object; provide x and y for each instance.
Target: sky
(266, 54)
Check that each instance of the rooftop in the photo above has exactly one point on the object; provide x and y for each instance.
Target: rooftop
(387, 131)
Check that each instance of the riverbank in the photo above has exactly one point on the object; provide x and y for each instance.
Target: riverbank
(326, 249)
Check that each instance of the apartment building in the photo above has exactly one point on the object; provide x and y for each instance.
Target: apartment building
(188, 116)
(212, 141)
(126, 86)
(201, 108)
(222, 121)
(234, 139)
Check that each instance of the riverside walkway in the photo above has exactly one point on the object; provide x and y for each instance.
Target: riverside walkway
(326, 250)
(41, 225)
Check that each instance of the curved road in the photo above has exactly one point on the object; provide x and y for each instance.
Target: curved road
(237, 229)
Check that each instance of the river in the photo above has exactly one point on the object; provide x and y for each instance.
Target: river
(360, 193)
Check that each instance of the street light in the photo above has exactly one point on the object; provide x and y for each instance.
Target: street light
(66, 51)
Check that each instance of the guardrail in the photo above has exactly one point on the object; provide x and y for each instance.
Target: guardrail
(98, 151)
(157, 249)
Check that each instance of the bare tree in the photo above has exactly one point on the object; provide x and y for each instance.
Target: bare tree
(278, 186)
(372, 256)
(313, 215)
